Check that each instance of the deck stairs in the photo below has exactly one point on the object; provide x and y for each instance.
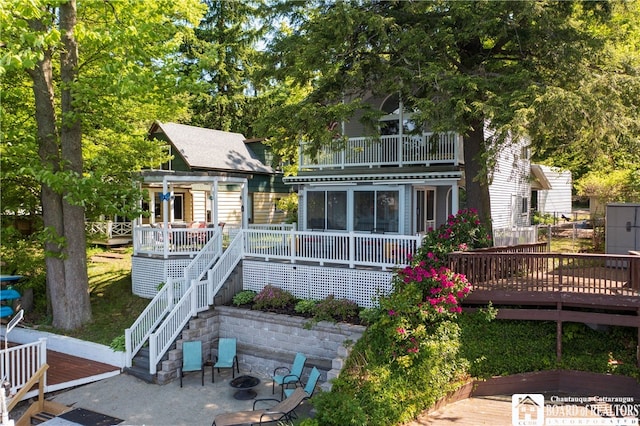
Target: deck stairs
(140, 365)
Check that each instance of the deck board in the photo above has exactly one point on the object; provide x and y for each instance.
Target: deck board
(65, 368)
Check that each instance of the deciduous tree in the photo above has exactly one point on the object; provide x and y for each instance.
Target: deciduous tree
(100, 73)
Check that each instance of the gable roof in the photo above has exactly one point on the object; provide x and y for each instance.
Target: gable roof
(208, 149)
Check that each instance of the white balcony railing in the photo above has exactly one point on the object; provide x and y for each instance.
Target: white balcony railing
(394, 150)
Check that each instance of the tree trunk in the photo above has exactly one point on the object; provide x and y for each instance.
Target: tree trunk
(49, 153)
(476, 181)
(73, 308)
(67, 281)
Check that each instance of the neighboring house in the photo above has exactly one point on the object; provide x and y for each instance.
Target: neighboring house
(198, 151)
(551, 190)
(510, 187)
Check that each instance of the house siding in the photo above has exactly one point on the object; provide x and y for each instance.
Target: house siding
(264, 208)
(558, 198)
(510, 186)
(229, 207)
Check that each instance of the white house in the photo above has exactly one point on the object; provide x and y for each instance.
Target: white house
(551, 190)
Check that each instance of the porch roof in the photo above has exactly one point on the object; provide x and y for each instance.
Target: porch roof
(390, 176)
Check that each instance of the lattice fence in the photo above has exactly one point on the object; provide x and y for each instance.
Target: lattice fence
(318, 282)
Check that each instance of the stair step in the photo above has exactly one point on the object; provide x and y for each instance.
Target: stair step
(140, 373)
(41, 417)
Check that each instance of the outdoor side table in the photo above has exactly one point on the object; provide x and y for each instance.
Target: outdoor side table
(245, 385)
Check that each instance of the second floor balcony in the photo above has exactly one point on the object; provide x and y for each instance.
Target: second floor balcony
(428, 149)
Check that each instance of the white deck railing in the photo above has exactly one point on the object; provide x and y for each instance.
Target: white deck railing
(515, 236)
(351, 249)
(109, 228)
(395, 150)
(179, 300)
(19, 363)
(170, 241)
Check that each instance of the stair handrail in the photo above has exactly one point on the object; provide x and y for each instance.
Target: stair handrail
(38, 376)
(165, 334)
(193, 301)
(219, 273)
(205, 258)
(136, 336)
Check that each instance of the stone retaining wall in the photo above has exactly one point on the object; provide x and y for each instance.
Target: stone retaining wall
(267, 340)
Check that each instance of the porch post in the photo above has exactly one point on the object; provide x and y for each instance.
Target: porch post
(214, 201)
(165, 216)
(245, 198)
(455, 205)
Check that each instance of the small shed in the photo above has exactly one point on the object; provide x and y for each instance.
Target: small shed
(622, 228)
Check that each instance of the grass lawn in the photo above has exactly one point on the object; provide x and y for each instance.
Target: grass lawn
(114, 306)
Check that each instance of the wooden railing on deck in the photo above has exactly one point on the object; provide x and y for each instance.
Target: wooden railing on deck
(603, 274)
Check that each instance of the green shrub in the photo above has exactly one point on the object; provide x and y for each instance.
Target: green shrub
(370, 315)
(332, 309)
(245, 297)
(305, 307)
(272, 297)
(118, 343)
(336, 409)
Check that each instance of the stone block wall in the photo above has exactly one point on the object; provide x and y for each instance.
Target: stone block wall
(268, 340)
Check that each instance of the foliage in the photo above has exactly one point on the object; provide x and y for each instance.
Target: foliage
(118, 343)
(611, 186)
(500, 62)
(426, 292)
(532, 347)
(305, 307)
(460, 233)
(386, 393)
(245, 297)
(272, 297)
(542, 218)
(289, 205)
(332, 309)
(370, 315)
(97, 72)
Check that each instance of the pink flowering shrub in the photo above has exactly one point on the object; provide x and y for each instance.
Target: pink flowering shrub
(462, 232)
(272, 297)
(426, 292)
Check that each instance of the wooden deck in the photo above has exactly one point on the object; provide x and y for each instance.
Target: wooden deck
(67, 371)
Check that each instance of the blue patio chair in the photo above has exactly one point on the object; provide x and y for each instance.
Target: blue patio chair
(285, 375)
(191, 359)
(227, 357)
(310, 386)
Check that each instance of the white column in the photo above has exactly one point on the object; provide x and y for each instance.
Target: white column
(455, 198)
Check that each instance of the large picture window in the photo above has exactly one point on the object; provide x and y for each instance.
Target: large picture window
(376, 211)
(327, 210)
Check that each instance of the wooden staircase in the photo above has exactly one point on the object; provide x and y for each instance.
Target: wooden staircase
(40, 412)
